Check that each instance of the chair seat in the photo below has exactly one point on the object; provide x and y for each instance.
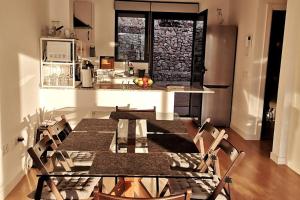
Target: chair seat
(82, 158)
(71, 187)
(185, 161)
(201, 188)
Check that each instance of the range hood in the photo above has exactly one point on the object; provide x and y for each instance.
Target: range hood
(77, 23)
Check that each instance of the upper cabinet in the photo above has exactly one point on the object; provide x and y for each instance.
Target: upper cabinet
(84, 23)
(83, 14)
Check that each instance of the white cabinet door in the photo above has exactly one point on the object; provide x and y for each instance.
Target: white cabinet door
(83, 10)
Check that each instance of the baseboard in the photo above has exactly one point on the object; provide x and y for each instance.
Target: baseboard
(278, 160)
(294, 167)
(7, 188)
(244, 135)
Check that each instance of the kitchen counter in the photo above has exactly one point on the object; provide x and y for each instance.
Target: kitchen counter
(154, 87)
(109, 86)
(111, 95)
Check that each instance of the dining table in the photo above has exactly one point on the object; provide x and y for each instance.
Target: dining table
(106, 137)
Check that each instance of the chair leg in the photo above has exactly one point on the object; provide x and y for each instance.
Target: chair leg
(143, 189)
(119, 188)
(164, 190)
(100, 184)
(39, 188)
(188, 194)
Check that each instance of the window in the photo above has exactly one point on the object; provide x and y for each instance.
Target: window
(131, 36)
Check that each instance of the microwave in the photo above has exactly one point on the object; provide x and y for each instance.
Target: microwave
(59, 51)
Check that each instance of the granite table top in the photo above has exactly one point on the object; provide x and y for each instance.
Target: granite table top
(175, 143)
(132, 115)
(87, 141)
(99, 125)
(131, 164)
(166, 126)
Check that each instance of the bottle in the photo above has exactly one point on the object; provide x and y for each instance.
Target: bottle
(131, 71)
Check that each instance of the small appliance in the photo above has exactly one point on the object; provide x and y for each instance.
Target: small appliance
(86, 75)
(58, 51)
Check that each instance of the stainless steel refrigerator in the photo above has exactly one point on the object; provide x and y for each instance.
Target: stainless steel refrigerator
(219, 63)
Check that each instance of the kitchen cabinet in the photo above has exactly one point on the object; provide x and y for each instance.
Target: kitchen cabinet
(84, 23)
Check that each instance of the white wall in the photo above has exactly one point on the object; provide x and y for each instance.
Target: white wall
(287, 129)
(251, 16)
(62, 11)
(21, 23)
(250, 68)
(212, 6)
(104, 27)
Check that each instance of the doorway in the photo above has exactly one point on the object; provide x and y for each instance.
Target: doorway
(272, 75)
(178, 50)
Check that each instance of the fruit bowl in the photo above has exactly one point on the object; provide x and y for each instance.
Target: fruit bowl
(143, 82)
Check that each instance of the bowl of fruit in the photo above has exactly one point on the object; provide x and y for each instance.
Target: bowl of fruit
(143, 82)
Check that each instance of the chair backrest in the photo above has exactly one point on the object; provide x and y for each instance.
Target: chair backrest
(38, 151)
(184, 196)
(135, 110)
(234, 156)
(60, 130)
(208, 129)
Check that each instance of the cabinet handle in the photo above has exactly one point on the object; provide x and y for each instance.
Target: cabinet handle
(88, 35)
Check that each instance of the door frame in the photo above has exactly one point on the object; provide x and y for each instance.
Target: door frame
(204, 14)
(171, 16)
(263, 73)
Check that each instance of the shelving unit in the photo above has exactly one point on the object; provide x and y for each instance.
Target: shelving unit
(59, 62)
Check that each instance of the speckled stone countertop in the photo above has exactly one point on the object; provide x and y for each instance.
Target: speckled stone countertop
(154, 87)
(110, 86)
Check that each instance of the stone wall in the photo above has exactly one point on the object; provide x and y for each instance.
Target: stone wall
(131, 38)
(172, 50)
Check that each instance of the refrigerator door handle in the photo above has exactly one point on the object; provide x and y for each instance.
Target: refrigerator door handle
(217, 86)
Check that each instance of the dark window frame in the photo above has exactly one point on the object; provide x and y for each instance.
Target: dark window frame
(119, 13)
(171, 16)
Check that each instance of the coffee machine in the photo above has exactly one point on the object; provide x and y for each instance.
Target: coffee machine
(87, 70)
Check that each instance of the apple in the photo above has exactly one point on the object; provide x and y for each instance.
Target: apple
(140, 83)
(135, 80)
(150, 82)
(145, 79)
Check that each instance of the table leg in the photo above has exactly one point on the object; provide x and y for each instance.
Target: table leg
(39, 188)
(157, 186)
(117, 141)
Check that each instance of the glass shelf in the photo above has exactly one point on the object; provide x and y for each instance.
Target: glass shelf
(60, 73)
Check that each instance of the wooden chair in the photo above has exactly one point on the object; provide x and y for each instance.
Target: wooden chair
(184, 196)
(60, 130)
(135, 110)
(214, 187)
(199, 161)
(60, 187)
